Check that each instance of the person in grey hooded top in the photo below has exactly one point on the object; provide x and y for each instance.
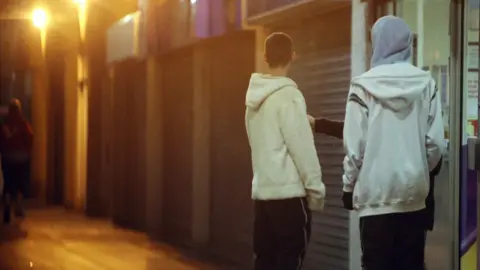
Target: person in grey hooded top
(393, 137)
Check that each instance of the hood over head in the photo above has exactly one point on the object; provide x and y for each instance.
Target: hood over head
(262, 86)
(392, 41)
(392, 79)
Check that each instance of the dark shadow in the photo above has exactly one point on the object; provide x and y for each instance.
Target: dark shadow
(12, 232)
(199, 257)
(10, 253)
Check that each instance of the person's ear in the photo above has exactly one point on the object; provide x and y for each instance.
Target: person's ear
(265, 58)
(294, 56)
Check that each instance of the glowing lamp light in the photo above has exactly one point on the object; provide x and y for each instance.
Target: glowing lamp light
(80, 2)
(39, 18)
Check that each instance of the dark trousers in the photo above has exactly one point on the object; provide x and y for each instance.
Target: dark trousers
(16, 177)
(393, 241)
(281, 233)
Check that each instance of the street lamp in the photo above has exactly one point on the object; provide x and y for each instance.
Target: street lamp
(39, 18)
(40, 21)
(80, 2)
(81, 59)
(82, 16)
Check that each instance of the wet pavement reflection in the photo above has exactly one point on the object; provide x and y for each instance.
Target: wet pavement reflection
(55, 239)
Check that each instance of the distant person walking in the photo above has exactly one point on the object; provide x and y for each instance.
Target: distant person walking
(393, 138)
(16, 139)
(287, 183)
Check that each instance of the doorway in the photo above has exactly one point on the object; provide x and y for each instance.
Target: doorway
(437, 26)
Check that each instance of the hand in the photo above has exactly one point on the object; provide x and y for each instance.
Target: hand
(347, 199)
(311, 120)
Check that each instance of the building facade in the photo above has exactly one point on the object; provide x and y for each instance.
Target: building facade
(176, 138)
(178, 162)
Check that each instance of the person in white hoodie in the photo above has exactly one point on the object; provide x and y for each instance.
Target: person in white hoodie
(287, 183)
(393, 137)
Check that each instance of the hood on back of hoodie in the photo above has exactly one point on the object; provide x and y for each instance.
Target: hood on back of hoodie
(392, 79)
(261, 86)
(396, 86)
(284, 159)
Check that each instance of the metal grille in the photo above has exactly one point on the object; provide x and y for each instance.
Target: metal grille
(322, 72)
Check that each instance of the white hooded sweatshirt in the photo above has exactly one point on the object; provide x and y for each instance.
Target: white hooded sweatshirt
(393, 136)
(284, 158)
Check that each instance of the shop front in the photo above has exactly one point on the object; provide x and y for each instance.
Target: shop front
(446, 44)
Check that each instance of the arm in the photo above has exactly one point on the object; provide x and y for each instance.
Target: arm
(354, 136)
(7, 133)
(300, 143)
(28, 133)
(329, 127)
(435, 138)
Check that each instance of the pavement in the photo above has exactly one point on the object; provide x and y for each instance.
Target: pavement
(56, 239)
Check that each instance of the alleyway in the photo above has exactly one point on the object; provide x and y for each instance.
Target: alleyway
(54, 239)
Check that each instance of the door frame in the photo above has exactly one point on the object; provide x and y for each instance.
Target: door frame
(456, 124)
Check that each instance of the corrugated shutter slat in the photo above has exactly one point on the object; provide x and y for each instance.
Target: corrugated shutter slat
(322, 72)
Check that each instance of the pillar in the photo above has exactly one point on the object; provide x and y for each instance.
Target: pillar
(261, 34)
(420, 33)
(201, 147)
(70, 128)
(40, 103)
(359, 64)
(154, 149)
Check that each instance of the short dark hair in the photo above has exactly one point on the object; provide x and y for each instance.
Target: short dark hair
(278, 50)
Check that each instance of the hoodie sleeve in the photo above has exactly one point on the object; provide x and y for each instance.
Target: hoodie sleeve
(300, 143)
(435, 139)
(329, 127)
(354, 136)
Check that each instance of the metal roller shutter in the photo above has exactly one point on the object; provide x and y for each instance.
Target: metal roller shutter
(128, 112)
(322, 71)
(135, 92)
(231, 171)
(177, 85)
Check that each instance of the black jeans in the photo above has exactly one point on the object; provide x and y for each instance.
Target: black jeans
(281, 233)
(16, 177)
(393, 241)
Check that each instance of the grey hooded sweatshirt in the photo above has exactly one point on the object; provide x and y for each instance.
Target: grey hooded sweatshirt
(393, 133)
